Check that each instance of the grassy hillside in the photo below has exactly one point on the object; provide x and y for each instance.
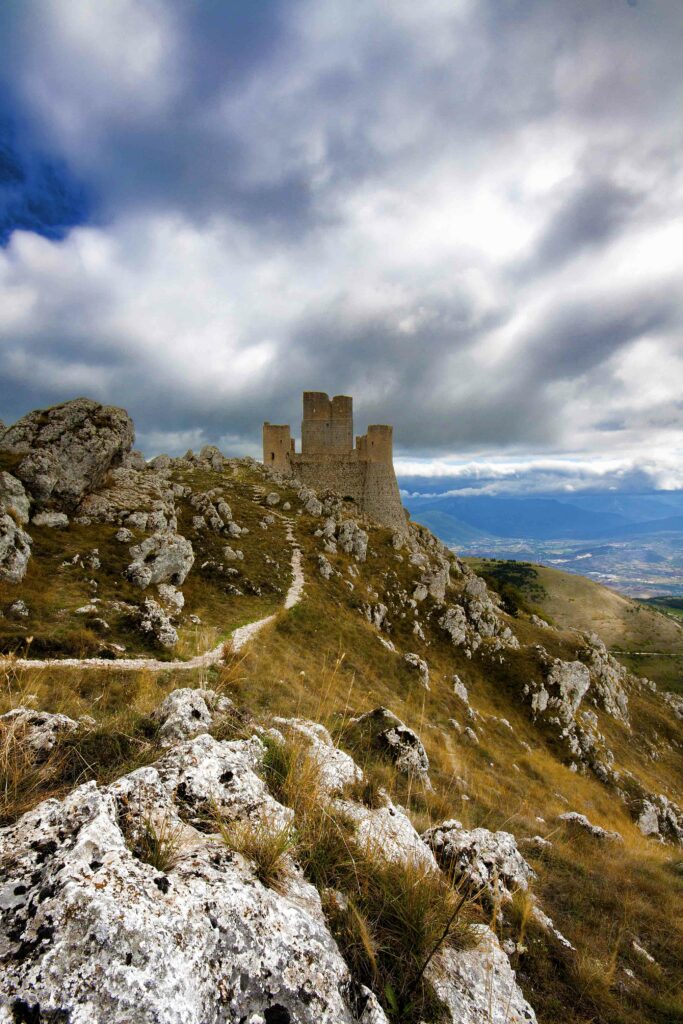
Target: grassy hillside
(325, 660)
(648, 640)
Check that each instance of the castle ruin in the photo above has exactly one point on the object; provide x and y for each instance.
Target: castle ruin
(328, 460)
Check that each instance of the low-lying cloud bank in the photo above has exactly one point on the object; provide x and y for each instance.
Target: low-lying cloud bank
(537, 475)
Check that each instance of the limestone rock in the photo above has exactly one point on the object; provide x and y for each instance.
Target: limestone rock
(67, 450)
(161, 558)
(153, 622)
(105, 936)
(18, 610)
(486, 859)
(478, 986)
(388, 832)
(15, 549)
(608, 679)
(419, 665)
(325, 567)
(581, 823)
(336, 768)
(352, 539)
(38, 730)
(53, 520)
(13, 498)
(273, 499)
(660, 818)
(454, 623)
(186, 712)
(171, 596)
(382, 729)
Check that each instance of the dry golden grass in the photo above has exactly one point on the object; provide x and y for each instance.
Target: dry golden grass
(264, 843)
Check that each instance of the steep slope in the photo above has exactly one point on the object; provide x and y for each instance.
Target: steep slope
(490, 735)
(647, 640)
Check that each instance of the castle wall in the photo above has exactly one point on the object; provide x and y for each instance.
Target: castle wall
(372, 485)
(327, 425)
(278, 445)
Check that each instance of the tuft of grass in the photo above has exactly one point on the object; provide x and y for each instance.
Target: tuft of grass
(156, 840)
(264, 843)
(389, 918)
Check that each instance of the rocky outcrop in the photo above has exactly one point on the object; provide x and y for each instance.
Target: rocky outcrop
(479, 987)
(163, 557)
(66, 451)
(15, 549)
(13, 498)
(186, 713)
(154, 624)
(382, 730)
(92, 932)
(487, 864)
(476, 619)
(38, 730)
(488, 860)
(608, 679)
(660, 818)
(122, 904)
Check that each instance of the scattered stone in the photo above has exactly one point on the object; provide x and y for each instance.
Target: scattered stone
(386, 732)
(580, 822)
(53, 520)
(163, 557)
(419, 665)
(18, 610)
(273, 499)
(124, 535)
(152, 621)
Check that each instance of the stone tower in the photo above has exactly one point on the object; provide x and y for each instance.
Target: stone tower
(328, 460)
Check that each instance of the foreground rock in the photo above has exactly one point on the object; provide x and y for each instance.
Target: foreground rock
(67, 450)
(478, 986)
(92, 933)
(98, 924)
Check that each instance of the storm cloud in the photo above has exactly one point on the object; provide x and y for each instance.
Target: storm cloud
(466, 213)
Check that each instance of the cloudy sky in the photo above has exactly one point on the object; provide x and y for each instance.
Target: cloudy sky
(466, 213)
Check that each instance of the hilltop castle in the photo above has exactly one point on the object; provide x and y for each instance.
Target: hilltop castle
(329, 461)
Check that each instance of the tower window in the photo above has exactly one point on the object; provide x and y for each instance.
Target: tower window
(272, 456)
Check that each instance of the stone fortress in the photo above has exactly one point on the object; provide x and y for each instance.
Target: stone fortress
(328, 460)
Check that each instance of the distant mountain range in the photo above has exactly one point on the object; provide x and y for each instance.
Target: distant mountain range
(463, 519)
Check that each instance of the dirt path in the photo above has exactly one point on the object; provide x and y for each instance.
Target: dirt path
(237, 640)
